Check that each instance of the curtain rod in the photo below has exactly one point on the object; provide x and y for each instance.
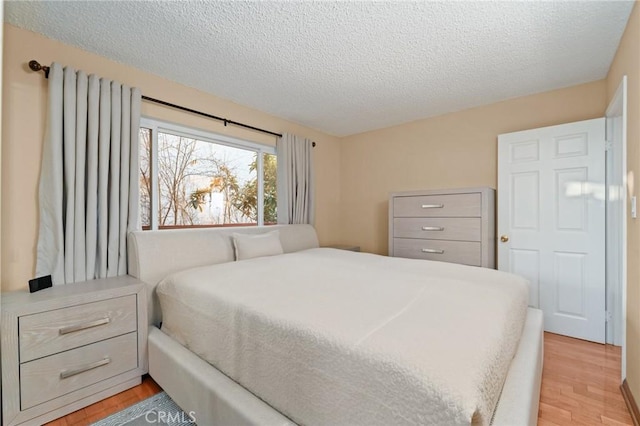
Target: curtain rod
(35, 66)
(204, 114)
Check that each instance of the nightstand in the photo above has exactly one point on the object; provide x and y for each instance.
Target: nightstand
(68, 346)
(344, 247)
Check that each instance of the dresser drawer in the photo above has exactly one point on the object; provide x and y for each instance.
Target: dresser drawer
(50, 377)
(468, 253)
(50, 332)
(440, 228)
(451, 205)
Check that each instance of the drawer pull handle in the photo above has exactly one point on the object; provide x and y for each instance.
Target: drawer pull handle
(435, 251)
(65, 374)
(84, 326)
(432, 206)
(433, 228)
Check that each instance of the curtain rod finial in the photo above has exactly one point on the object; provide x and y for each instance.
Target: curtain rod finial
(35, 66)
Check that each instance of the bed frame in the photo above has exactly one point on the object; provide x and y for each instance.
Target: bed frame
(215, 399)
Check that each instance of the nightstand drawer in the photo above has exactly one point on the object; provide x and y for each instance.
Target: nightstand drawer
(50, 377)
(467, 253)
(448, 205)
(440, 228)
(50, 332)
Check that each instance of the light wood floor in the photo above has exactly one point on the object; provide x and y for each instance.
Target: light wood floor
(111, 405)
(580, 386)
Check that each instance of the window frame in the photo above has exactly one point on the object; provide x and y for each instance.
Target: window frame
(156, 125)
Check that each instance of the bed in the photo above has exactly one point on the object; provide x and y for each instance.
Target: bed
(323, 336)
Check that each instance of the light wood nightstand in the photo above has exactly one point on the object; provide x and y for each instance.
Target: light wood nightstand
(344, 247)
(68, 346)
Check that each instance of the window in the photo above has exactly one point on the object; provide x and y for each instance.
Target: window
(191, 178)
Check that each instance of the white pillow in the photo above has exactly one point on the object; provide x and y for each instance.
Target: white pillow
(248, 246)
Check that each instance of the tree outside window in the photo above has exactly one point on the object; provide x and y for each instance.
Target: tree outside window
(204, 183)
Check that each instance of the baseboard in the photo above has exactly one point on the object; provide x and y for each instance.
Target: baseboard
(631, 402)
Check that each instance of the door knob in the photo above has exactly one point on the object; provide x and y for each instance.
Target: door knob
(504, 238)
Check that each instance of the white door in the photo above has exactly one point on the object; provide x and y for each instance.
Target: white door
(551, 222)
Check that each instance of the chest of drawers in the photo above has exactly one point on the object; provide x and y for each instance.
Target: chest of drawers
(454, 225)
(69, 346)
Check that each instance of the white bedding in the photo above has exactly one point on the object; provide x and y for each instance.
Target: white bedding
(328, 336)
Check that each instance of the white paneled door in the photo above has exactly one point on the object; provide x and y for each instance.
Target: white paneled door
(551, 222)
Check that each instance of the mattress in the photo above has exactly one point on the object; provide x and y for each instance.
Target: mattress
(329, 336)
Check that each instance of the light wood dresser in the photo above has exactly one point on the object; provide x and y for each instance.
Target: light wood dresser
(452, 225)
(68, 346)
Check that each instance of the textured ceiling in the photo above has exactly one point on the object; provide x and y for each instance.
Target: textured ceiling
(346, 67)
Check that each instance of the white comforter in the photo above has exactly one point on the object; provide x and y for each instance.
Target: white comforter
(331, 337)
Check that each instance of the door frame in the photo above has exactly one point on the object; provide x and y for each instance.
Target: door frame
(617, 221)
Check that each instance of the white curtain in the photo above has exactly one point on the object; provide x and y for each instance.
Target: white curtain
(295, 180)
(89, 190)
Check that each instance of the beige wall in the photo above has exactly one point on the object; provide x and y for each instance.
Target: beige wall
(627, 62)
(24, 97)
(449, 151)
